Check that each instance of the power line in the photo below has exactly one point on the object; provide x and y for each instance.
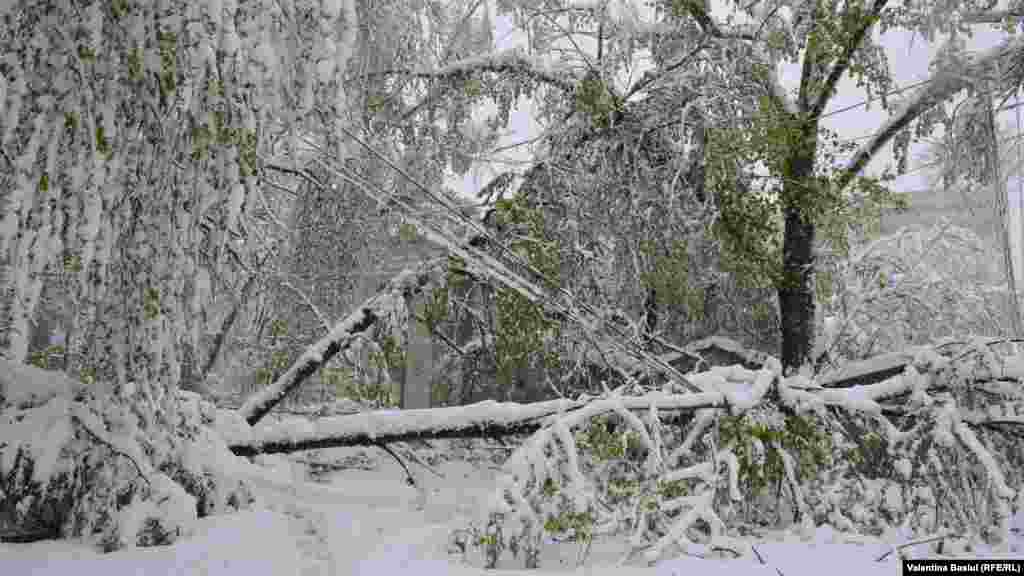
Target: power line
(1017, 105)
(865, 101)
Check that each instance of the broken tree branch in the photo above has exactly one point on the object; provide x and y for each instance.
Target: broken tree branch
(482, 420)
(377, 428)
(512, 61)
(407, 283)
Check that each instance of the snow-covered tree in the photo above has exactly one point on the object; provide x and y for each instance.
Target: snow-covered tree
(136, 143)
(132, 133)
(708, 118)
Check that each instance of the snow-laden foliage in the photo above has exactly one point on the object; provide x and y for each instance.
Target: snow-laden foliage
(914, 287)
(131, 135)
(635, 175)
(79, 461)
(927, 452)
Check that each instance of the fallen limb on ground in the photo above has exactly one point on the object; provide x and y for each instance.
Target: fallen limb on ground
(738, 389)
(555, 482)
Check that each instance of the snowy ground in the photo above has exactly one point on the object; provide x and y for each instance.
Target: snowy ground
(364, 520)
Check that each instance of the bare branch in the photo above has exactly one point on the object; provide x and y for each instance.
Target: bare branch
(409, 478)
(309, 303)
(772, 86)
(698, 11)
(915, 542)
(654, 76)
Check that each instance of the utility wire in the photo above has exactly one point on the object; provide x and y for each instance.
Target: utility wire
(866, 100)
(902, 89)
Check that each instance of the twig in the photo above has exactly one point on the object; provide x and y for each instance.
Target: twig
(412, 456)
(720, 548)
(924, 540)
(112, 448)
(762, 561)
(409, 478)
(758, 554)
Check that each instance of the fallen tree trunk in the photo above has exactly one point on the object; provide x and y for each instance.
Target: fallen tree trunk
(492, 419)
(884, 366)
(868, 371)
(482, 420)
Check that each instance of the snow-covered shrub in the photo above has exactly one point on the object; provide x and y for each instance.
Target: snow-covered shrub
(116, 470)
(761, 440)
(913, 287)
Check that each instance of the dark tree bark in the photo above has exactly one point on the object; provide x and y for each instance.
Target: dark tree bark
(796, 290)
(651, 312)
(796, 283)
(222, 335)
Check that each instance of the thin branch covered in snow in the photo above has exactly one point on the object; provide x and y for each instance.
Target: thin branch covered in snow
(511, 61)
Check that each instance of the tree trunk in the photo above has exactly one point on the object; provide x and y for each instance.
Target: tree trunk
(196, 379)
(796, 292)
(419, 358)
(796, 283)
(483, 420)
(999, 186)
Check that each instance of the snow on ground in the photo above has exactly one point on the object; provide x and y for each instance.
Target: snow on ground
(364, 520)
(259, 543)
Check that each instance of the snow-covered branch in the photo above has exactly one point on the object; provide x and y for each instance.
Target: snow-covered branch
(408, 282)
(943, 84)
(485, 419)
(993, 16)
(510, 270)
(511, 61)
